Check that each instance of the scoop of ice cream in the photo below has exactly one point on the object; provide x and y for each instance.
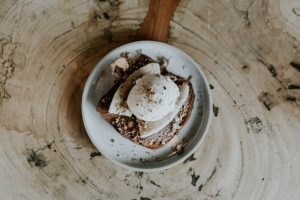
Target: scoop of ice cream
(152, 97)
(118, 104)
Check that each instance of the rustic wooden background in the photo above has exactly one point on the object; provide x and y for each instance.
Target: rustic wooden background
(249, 50)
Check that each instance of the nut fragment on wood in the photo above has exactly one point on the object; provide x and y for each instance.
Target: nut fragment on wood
(95, 154)
(291, 98)
(267, 99)
(193, 176)
(272, 69)
(190, 158)
(295, 65)
(215, 110)
(293, 86)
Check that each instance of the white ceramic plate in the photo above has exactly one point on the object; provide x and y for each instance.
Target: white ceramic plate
(121, 150)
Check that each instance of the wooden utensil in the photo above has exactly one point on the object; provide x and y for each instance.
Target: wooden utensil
(157, 20)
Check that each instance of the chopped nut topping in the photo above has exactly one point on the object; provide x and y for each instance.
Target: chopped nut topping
(120, 66)
(130, 124)
(142, 126)
(139, 102)
(173, 78)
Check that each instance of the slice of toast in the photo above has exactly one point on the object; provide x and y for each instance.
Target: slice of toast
(128, 126)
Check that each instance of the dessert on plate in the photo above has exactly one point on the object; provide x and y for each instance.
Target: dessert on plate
(148, 105)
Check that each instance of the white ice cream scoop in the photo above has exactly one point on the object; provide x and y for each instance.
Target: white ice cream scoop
(153, 97)
(118, 104)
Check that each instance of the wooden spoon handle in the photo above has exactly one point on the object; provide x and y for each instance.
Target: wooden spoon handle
(157, 20)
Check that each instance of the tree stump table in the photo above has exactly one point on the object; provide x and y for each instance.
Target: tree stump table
(249, 51)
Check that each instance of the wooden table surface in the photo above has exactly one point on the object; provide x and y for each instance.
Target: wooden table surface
(249, 51)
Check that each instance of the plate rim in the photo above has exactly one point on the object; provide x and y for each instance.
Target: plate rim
(87, 87)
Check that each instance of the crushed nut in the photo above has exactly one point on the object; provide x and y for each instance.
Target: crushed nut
(130, 124)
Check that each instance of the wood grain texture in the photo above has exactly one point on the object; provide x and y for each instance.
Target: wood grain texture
(48, 48)
(156, 23)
